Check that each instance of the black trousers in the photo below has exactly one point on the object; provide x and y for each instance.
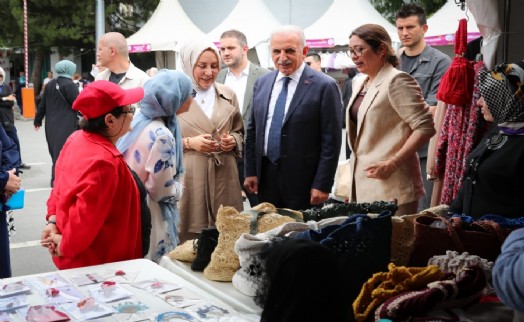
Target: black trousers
(14, 136)
(271, 189)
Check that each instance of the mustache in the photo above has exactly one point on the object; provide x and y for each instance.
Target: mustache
(284, 62)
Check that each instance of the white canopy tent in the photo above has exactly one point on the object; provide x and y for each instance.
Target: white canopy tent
(344, 16)
(252, 17)
(168, 27)
(446, 20)
(255, 20)
(443, 25)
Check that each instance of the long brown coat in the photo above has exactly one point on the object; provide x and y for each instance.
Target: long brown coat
(211, 180)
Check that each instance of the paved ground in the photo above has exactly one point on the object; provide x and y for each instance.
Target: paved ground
(27, 256)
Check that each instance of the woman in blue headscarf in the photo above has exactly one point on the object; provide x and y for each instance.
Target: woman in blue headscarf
(154, 149)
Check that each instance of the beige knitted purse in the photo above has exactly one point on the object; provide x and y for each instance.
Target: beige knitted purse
(231, 225)
(184, 252)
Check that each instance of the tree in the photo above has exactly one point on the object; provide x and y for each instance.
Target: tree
(67, 25)
(389, 8)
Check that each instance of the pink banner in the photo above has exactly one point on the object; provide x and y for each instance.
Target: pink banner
(443, 40)
(140, 48)
(320, 43)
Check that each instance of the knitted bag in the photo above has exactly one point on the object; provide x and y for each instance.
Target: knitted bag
(402, 236)
(248, 247)
(382, 286)
(184, 252)
(436, 235)
(456, 85)
(364, 244)
(455, 263)
(231, 225)
(463, 289)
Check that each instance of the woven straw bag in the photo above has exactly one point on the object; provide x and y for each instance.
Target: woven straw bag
(231, 225)
(184, 252)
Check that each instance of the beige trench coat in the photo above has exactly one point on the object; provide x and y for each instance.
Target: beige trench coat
(210, 180)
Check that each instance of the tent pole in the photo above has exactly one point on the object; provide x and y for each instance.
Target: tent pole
(100, 21)
(505, 38)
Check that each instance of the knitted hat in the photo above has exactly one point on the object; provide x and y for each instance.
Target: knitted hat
(502, 89)
(65, 68)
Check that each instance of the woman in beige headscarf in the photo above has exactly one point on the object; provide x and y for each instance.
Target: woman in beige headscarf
(212, 133)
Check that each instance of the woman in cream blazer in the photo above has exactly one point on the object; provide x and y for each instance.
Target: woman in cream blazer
(387, 120)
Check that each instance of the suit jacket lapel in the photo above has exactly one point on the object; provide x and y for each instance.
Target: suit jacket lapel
(266, 97)
(252, 77)
(373, 89)
(302, 88)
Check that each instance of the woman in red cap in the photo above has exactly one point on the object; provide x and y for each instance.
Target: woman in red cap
(93, 212)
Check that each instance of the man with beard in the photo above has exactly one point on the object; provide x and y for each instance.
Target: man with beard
(240, 74)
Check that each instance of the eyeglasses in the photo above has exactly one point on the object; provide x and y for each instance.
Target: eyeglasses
(131, 110)
(357, 52)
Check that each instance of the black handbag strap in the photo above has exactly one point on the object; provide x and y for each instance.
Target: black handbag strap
(253, 222)
(255, 214)
(57, 86)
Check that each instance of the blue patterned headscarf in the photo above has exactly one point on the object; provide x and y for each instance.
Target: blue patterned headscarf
(164, 94)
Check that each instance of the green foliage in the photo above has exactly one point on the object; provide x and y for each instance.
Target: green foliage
(389, 8)
(65, 23)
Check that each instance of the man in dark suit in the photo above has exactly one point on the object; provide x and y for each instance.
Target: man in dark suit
(294, 132)
(240, 74)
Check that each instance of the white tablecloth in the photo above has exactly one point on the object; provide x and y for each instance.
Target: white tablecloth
(146, 270)
(225, 291)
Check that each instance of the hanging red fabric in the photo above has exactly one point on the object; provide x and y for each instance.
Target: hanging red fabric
(456, 85)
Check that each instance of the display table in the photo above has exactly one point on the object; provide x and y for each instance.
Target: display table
(143, 270)
(222, 290)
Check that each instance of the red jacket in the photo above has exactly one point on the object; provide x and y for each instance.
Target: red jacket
(96, 202)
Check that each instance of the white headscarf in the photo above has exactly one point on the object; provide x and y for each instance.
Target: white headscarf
(2, 72)
(189, 55)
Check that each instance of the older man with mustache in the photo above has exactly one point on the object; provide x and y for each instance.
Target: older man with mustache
(294, 132)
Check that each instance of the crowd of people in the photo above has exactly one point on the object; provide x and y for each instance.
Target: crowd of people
(161, 151)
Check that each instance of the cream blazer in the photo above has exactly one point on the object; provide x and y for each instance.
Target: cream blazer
(391, 110)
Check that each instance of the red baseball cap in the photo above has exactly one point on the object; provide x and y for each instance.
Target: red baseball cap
(101, 97)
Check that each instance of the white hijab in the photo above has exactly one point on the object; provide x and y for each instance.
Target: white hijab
(2, 72)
